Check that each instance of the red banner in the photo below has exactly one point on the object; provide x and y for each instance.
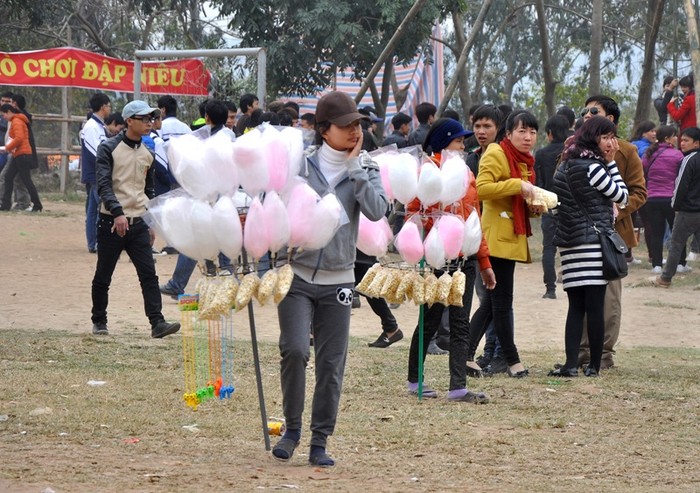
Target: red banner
(72, 67)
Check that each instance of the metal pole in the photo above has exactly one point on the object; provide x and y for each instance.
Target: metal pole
(65, 139)
(256, 361)
(137, 77)
(262, 76)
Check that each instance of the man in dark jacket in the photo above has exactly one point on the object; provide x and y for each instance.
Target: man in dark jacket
(546, 160)
(425, 112)
(402, 126)
(124, 170)
(686, 203)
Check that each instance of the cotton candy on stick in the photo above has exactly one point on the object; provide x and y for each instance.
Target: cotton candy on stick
(373, 237)
(455, 175)
(249, 156)
(472, 234)
(293, 139)
(325, 222)
(187, 164)
(255, 234)
(384, 161)
(276, 221)
(300, 207)
(203, 230)
(429, 184)
(403, 177)
(228, 230)
(177, 226)
(218, 156)
(434, 249)
(451, 230)
(409, 243)
(276, 158)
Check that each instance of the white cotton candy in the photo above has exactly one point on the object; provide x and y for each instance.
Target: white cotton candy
(434, 249)
(454, 183)
(403, 177)
(218, 157)
(227, 227)
(472, 234)
(203, 230)
(429, 184)
(293, 139)
(325, 221)
(276, 221)
(384, 161)
(186, 161)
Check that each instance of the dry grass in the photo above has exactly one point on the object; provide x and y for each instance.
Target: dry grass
(634, 429)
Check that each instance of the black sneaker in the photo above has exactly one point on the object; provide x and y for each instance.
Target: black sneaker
(385, 341)
(167, 290)
(168, 250)
(163, 328)
(435, 349)
(497, 365)
(550, 294)
(100, 329)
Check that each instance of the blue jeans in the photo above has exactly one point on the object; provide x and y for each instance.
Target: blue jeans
(92, 204)
(181, 276)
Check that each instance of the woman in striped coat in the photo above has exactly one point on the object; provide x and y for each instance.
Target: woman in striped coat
(587, 179)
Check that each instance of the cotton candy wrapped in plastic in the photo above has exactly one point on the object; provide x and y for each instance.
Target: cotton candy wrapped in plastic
(301, 203)
(325, 222)
(218, 156)
(169, 216)
(472, 234)
(455, 175)
(409, 243)
(293, 139)
(403, 177)
(434, 249)
(276, 157)
(203, 230)
(227, 227)
(384, 156)
(429, 184)
(451, 230)
(276, 221)
(186, 161)
(255, 234)
(250, 158)
(373, 237)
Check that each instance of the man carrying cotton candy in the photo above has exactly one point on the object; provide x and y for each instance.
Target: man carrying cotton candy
(448, 135)
(322, 289)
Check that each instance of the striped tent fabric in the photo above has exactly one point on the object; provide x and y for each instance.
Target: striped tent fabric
(425, 84)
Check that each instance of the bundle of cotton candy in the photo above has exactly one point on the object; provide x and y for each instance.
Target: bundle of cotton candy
(228, 230)
(203, 230)
(472, 234)
(403, 177)
(250, 158)
(293, 139)
(300, 208)
(255, 234)
(451, 230)
(434, 249)
(276, 158)
(455, 177)
(325, 222)
(373, 237)
(429, 184)
(409, 243)
(276, 221)
(189, 168)
(218, 156)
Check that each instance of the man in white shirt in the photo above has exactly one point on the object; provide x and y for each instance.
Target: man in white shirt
(172, 127)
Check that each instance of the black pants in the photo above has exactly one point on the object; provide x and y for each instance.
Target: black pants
(549, 251)
(19, 165)
(378, 305)
(497, 304)
(137, 243)
(588, 301)
(659, 212)
(459, 332)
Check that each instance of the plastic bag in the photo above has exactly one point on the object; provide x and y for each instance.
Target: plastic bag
(384, 156)
(227, 227)
(403, 177)
(276, 158)
(177, 226)
(409, 243)
(373, 237)
(429, 184)
(434, 249)
(455, 176)
(254, 234)
(293, 139)
(472, 234)
(451, 230)
(203, 230)
(186, 162)
(276, 221)
(325, 222)
(249, 156)
(300, 208)
(218, 157)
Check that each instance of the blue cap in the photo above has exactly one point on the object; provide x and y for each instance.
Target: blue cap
(444, 131)
(137, 108)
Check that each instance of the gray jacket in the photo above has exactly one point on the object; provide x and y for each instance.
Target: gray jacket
(360, 190)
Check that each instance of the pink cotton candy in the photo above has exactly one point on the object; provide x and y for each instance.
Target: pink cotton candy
(254, 234)
(300, 208)
(249, 156)
(227, 227)
(276, 157)
(293, 139)
(325, 221)
(451, 230)
(373, 237)
(276, 221)
(409, 243)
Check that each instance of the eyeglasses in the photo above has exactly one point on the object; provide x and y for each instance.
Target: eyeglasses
(593, 110)
(146, 119)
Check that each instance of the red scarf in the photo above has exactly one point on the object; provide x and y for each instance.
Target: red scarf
(521, 218)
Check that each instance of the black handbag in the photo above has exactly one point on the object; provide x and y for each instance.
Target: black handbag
(612, 246)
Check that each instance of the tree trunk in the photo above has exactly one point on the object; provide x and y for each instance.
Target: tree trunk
(654, 15)
(596, 47)
(463, 81)
(694, 42)
(476, 28)
(549, 83)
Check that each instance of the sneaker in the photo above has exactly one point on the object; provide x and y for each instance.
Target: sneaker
(163, 328)
(658, 282)
(168, 250)
(100, 329)
(691, 257)
(92, 250)
(657, 270)
(497, 365)
(684, 269)
(433, 348)
(550, 294)
(385, 341)
(634, 261)
(167, 290)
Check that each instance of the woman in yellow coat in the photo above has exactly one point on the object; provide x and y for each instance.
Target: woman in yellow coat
(505, 180)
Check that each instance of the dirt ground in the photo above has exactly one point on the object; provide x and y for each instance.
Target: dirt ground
(46, 273)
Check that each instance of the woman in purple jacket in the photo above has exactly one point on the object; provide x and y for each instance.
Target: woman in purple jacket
(661, 162)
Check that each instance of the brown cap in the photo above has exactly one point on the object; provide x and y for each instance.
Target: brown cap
(339, 108)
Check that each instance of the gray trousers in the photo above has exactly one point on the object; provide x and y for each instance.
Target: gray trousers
(21, 194)
(325, 309)
(685, 225)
